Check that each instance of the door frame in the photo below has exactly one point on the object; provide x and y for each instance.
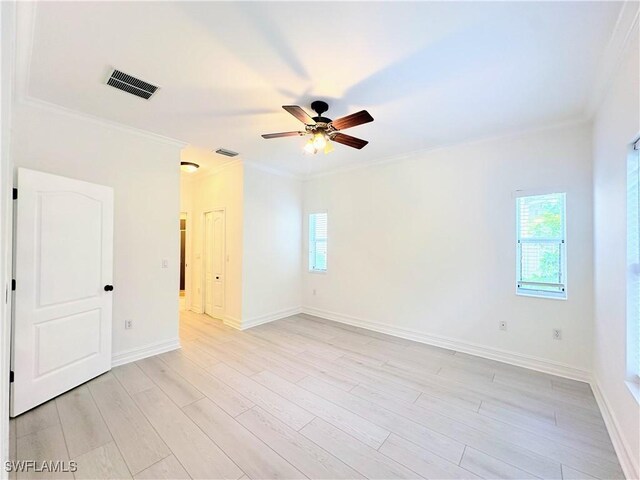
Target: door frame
(203, 289)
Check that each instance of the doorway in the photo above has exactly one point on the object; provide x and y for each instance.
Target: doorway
(183, 260)
(214, 263)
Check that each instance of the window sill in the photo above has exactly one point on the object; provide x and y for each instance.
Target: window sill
(321, 272)
(552, 296)
(634, 388)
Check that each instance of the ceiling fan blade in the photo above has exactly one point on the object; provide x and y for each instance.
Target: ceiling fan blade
(352, 120)
(349, 140)
(283, 134)
(300, 114)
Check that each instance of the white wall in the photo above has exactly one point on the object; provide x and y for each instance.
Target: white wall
(425, 248)
(7, 22)
(272, 246)
(616, 125)
(222, 189)
(144, 173)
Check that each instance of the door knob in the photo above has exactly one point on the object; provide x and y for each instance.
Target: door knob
(217, 278)
(108, 288)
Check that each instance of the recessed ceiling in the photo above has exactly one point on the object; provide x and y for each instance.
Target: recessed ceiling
(431, 74)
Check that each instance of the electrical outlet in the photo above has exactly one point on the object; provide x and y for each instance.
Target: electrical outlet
(503, 325)
(128, 324)
(557, 334)
(314, 291)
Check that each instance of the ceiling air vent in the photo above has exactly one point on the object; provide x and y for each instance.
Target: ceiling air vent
(132, 85)
(226, 153)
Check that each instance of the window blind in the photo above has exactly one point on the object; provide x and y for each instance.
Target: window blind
(318, 242)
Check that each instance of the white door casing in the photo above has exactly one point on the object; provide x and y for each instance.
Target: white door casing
(214, 263)
(63, 262)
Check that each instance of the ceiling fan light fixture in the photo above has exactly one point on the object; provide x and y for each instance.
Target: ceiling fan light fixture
(328, 148)
(310, 147)
(189, 167)
(319, 141)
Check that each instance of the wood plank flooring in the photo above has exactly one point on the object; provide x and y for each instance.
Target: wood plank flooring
(304, 397)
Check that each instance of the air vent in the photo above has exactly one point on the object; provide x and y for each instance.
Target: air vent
(132, 85)
(226, 153)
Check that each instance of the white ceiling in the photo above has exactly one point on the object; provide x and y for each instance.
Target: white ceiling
(431, 74)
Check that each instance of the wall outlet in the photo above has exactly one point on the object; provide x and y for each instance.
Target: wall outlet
(502, 325)
(128, 324)
(557, 334)
(314, 291)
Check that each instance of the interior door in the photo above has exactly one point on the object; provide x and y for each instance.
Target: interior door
(214, 263)
(63, 273)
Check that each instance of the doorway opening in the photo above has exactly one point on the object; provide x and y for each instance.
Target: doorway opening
(214, 263)
(183, 259)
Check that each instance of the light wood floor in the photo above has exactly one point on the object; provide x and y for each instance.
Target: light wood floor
(305, 397)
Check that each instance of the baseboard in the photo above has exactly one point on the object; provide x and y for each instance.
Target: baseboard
(144, 352)
(261, 319)
(628, 461)
(232, 322)
(270, 317)
(520, 360)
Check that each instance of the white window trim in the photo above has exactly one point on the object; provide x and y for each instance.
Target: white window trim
(563, 249)
(310, 269)
(633, 274)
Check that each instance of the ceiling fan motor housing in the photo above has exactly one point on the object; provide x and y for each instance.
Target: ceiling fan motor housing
(319, 106)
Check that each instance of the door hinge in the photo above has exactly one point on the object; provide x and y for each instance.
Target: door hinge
(15, 193)
(13, 284)
(11, 376)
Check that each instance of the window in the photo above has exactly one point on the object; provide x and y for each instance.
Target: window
(541, 258)
(318, 242)
(633, 262)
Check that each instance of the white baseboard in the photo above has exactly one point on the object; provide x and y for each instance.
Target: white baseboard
(144, 352)
(232, 322)
(520, 360)
(261, 319)
(270, 317)
(628, 461)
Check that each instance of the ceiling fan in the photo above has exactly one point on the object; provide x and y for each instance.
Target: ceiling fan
(323, 130)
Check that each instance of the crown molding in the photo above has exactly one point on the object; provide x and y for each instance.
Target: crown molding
(576, 121)
(613, 54)
(59, 109)
(274, 171)
(214, 170)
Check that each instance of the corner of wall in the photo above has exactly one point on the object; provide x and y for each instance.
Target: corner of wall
(150, 350)
(628, 461)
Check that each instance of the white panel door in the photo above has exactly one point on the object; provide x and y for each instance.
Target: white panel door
(214, 263)
(63, 272)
